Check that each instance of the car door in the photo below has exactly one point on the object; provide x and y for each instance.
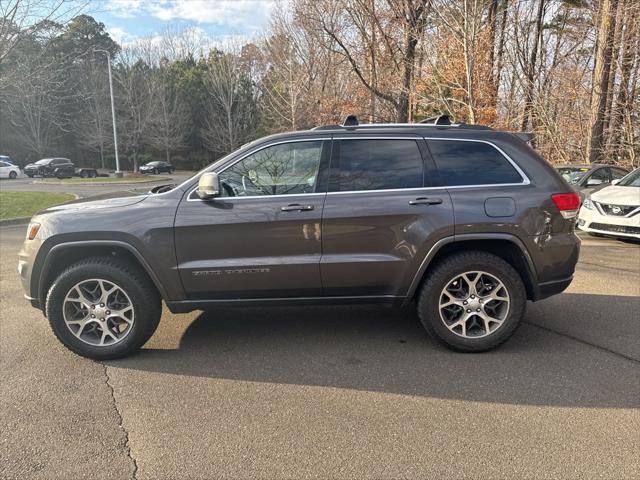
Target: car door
(379, 220)
(4, 170)
(261, 237)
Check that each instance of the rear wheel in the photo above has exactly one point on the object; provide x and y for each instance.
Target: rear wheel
(472, 301)
(103, 308)
(13, 175)
(155, 171)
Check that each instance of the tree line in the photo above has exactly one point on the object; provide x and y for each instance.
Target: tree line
(565, 70)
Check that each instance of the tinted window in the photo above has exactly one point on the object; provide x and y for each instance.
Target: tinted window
(284, 169)
(598, 177)
(471, 163)
(2, 164)
(376, 165)
(616, 173)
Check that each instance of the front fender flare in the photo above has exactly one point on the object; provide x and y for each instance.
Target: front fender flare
(94, 243)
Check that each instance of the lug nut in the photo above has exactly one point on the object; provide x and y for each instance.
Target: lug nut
(102, 304)
(473, 296)
(108, 312)
(465, 302)
(93, 307)
(468, 311)
(477, 310)
(93, 316)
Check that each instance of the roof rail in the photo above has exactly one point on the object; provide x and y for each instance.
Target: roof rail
(351, 123)
(439, 120)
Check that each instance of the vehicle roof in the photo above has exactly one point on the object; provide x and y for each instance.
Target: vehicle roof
(584, 165)
(455, 130)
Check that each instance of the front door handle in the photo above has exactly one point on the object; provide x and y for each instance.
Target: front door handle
(426, 201)
(296, 207)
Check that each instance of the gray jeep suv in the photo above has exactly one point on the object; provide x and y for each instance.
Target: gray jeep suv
(466, 221)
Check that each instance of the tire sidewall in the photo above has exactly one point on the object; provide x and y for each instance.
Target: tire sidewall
(430, 300)
(142, 311)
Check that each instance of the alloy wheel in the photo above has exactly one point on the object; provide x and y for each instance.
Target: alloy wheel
(98, 312)
(474, 304)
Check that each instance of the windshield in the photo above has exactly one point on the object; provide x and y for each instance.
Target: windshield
(44, 161)
(631, 180)
(573, 174)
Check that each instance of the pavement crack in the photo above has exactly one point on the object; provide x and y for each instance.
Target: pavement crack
(585, 342)
(127, 444)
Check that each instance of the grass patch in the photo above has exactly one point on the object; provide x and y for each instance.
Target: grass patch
(25, 204)
(80, 181)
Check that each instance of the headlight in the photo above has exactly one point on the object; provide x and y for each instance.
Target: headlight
(32, 230)
(588, 204)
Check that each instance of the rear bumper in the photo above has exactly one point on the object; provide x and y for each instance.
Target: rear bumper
(548, 289)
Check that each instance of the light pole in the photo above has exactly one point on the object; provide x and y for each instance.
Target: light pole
(113, 112)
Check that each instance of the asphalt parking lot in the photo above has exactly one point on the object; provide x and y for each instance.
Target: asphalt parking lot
(333, 392)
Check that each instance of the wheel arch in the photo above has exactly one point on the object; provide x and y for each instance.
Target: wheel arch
(508, 247)
(64, 254)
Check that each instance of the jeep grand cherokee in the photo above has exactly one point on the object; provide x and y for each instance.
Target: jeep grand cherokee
(467, 222)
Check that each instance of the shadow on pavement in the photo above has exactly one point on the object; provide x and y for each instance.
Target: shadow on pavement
(386, 350)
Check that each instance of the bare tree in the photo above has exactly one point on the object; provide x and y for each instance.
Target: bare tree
(602, 70)
(229, 110)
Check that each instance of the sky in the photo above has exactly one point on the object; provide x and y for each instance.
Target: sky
(128, 20)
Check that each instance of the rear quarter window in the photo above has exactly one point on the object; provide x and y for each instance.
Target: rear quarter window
(471, 163)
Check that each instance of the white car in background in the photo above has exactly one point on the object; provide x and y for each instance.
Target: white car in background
(614, 210)
(8, 170)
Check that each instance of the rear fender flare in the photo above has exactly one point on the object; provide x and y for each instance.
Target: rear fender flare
(466, 237)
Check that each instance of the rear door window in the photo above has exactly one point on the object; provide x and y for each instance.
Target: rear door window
(376, 164)
(472, 163)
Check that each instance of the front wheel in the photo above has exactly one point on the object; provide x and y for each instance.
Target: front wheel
(472, 301)
(103, 308)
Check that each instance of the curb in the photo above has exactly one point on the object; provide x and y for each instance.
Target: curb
(101, 184)
(14, 221)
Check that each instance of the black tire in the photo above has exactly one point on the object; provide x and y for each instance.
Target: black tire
(143, 294)
(13, 175)
(30, 175)
(155, 171)
(84, 174)
(446, 270)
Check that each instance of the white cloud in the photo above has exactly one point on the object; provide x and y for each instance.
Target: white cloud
(120, 35)
(241, 15)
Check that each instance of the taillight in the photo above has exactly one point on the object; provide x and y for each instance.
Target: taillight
(567, 203)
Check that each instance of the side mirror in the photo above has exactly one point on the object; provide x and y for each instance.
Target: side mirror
(616, 181)
(593, 182)
(208, 186)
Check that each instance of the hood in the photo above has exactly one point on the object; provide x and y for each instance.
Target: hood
(107, 200)
(616, 195)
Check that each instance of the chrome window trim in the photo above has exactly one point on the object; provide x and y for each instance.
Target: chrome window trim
(525, 179)
(415, 137)
(249, 197)
(292, 140)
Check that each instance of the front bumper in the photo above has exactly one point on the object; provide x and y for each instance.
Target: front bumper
(593, 221)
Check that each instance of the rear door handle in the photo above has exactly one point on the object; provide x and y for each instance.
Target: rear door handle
(296, 207)
(425, 201)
